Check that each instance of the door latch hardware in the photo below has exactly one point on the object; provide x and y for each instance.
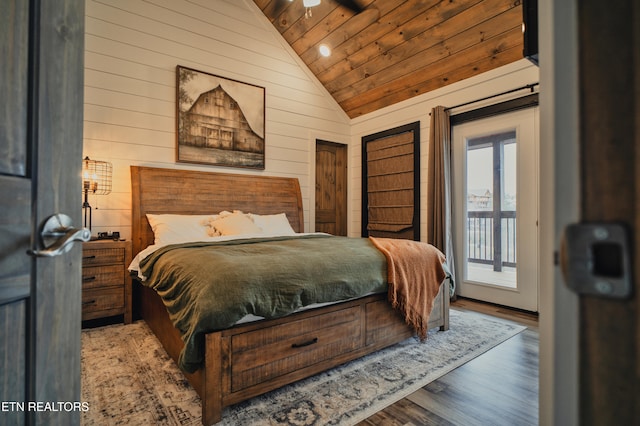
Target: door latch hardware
(595, 259)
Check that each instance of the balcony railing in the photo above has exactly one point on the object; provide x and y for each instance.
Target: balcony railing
(482, 235)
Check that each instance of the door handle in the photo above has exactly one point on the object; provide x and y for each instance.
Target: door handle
(57, 236)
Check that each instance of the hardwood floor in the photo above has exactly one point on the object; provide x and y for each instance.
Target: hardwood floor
(500, 387)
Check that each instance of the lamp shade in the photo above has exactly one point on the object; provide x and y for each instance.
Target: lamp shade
(96, 176)
(310, 3)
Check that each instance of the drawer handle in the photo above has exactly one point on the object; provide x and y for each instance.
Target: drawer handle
(89, 257)
(86, 279)
(89, 302)
(303, 344)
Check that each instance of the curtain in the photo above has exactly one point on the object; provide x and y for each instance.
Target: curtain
(439, 214)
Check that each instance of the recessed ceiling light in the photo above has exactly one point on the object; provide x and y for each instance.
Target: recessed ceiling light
(324, 50)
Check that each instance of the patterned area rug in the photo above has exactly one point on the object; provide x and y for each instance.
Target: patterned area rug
(128, 379)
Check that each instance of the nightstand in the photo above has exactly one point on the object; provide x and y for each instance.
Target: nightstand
(106, 284)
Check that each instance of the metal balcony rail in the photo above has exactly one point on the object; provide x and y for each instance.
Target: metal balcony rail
(482, 233)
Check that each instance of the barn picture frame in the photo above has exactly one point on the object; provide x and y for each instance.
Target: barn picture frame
(219, 121)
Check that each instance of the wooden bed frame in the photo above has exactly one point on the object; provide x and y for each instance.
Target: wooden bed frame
(250, 359)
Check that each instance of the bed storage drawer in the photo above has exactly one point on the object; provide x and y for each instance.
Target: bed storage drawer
(262, 355)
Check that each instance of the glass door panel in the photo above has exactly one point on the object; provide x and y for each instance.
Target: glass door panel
(495, 209)
(491, 209)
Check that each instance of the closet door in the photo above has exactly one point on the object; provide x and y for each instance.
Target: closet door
(331, 188)
(391, 183)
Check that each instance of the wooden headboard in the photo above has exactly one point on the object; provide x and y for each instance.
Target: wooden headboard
(174, 191)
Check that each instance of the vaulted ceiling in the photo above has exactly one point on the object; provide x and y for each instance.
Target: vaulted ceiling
(397, 49)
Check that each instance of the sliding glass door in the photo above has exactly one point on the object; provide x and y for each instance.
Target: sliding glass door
(496, 208)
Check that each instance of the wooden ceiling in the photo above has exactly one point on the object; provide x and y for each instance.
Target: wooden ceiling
(396, 49)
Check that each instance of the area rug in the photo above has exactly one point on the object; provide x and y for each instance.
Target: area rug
(128, 379)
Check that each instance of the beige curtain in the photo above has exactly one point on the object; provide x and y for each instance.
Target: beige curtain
(439, 216)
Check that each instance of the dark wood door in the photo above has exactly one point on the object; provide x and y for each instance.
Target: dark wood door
(331, 188)
(609, 84)
(40, 157)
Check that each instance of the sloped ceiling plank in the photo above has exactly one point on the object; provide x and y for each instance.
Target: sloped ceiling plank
(487, 49)
(386, 24)
(470, 70)
(397, 49)
(393, 24)
(409, 55)
(332, 36)
(419, 56)
(484, 57)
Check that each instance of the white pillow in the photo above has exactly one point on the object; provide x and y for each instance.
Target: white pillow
(273, 224)
(178, 228)
(236, 223)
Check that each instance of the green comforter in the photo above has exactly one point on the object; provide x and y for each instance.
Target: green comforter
(210, 286)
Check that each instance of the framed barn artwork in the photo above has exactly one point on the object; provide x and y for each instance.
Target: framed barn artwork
(220, 121)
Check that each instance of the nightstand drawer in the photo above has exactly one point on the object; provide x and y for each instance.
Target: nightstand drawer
(102, 256)
(98, 301)
(102, 276)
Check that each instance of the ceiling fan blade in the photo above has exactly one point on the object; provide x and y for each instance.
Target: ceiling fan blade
(351, 5)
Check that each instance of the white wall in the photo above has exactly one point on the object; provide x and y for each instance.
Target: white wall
(132, 48)
(505, 78)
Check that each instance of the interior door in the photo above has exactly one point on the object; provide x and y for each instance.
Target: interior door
(331, 188)
(609, 119)
(40, 148)
(496, 208)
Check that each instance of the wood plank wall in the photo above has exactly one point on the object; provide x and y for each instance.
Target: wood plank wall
(132, 48)
(131, 52)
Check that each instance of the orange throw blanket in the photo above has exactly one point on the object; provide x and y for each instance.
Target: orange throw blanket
(414, 272)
